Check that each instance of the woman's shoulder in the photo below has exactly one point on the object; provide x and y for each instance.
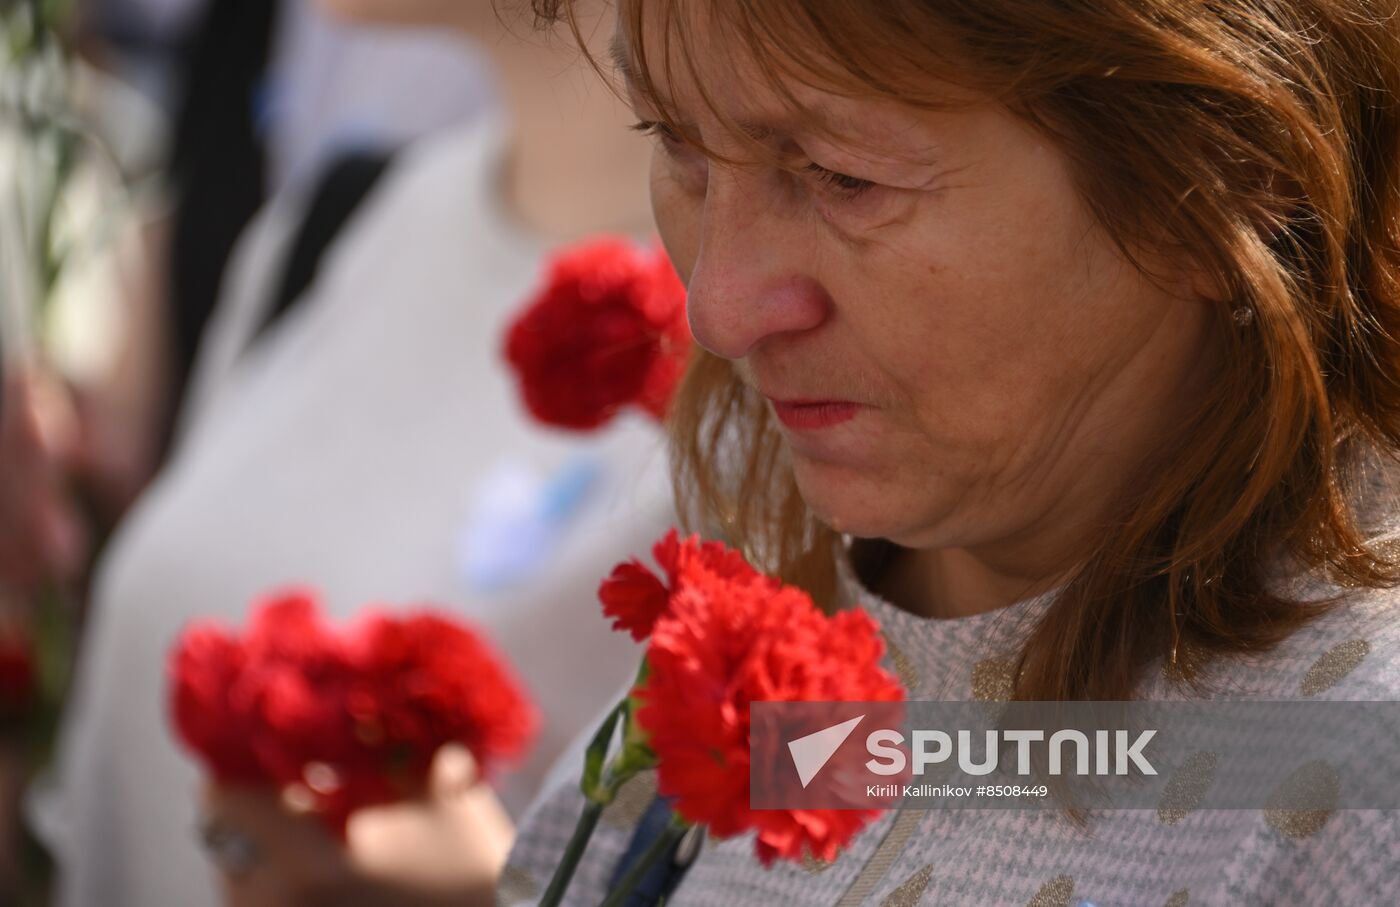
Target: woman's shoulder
(1350, 652)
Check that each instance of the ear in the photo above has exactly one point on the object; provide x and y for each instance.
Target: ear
(1203, 283)
(1182, 272)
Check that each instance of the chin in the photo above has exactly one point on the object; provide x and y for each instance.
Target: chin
(852, 504)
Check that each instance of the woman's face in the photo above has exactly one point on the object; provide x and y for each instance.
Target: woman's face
(956, 350)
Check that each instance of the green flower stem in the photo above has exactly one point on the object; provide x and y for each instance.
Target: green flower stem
(564, 872)
(638, 870)
(600, 783)
(596, 756)
(597, 794)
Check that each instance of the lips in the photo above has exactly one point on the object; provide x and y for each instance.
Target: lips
(812, 415)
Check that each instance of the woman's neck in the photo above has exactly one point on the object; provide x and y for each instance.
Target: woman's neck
(1040, 555)
(572, 167)
(953, 583)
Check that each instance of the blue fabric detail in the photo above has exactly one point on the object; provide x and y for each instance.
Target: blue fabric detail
(519, 517)
(664, 875)
(569, 488)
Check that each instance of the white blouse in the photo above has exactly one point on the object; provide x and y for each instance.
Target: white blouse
(1163, 857)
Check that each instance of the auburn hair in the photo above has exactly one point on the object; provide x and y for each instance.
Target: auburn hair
(1261, 136)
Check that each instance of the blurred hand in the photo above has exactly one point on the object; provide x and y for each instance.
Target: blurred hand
(444, 849)
(41, 535)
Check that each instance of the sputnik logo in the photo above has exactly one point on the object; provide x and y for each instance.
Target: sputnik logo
(813, 751)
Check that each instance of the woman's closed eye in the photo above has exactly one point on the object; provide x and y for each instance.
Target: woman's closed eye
(844, 184)
(672, 143)
(687, 164)
(663, 131)
(833, 184)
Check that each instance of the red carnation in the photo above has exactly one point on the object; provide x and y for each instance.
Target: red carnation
(205, 668)
(425, 679)
(607, 331)
(355, 717)
(730, 637)
(635, 597)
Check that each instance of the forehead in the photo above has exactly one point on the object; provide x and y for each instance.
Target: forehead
(691, 64)
(697, 71)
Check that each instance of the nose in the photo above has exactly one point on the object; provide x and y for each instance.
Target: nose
(748, 283)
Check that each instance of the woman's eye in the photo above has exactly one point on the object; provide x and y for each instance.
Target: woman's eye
(848, 186)
(664, 131)
(683, 160)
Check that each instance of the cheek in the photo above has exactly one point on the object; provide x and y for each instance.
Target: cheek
(977, 382)
(1000, 327)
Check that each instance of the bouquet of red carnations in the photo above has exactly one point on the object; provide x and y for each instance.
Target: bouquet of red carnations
(721, 637)
(351, 717)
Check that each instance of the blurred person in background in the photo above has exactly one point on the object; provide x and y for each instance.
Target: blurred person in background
(367, 441)
(273, 93)
(196, 112)
(262, 98)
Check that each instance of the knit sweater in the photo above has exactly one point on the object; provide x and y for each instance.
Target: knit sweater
(1163, 857)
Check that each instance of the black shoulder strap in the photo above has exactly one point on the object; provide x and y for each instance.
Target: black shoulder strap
(346, 183)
